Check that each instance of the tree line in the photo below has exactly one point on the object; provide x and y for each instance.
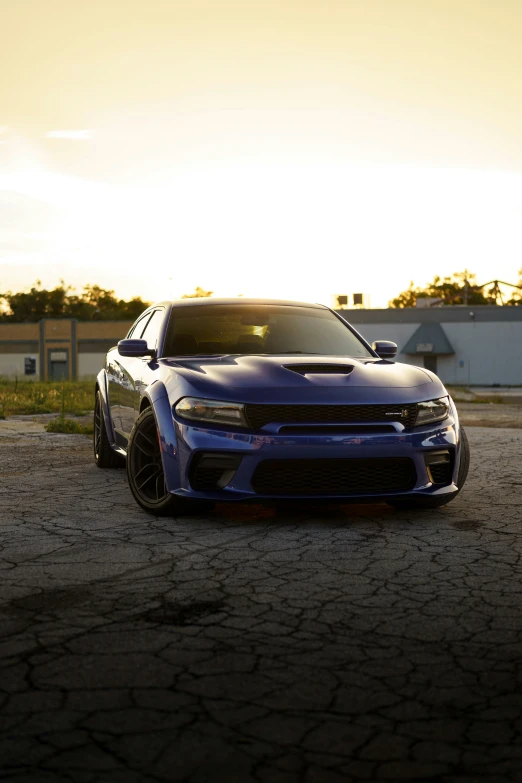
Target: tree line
(92, 304)
(100, 304)
(461, 288)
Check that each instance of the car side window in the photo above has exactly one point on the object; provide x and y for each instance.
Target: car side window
(137, 329)
(152, 330)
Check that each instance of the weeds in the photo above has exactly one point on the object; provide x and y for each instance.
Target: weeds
(69, 426)
(32, 397)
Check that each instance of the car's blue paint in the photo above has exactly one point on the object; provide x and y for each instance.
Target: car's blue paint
(162, 382)
(133, 348)
(158, 397)
(102, 387)
(256, 447)
(266, 379)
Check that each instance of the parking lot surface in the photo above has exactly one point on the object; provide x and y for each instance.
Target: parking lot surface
(320, 643)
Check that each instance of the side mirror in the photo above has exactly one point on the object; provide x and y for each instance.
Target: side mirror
(134, 348)
(385, 349)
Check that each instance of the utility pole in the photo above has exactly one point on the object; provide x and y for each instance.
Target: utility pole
(495, 291)
(466, 290)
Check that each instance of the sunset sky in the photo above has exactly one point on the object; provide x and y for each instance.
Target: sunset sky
(285, 149)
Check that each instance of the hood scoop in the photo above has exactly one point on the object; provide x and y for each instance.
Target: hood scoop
(320, 369)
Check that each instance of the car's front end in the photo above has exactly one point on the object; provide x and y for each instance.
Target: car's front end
(313, 440)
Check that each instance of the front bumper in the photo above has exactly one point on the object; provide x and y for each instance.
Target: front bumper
(192, 441)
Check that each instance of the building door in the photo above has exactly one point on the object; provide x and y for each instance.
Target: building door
(59, 365)
(430, 362)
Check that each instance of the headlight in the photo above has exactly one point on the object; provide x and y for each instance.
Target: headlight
(212, 410)
(434, 410)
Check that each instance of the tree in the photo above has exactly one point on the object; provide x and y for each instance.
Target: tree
(458, 288)
(38, 303)
(99, 304)
(516, 298)
(199, 293)
(407, 298)
(93, 304)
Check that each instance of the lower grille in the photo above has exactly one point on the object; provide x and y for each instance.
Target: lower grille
(334, 476)
(335, 429)
(260, 414)
(440, 466)
(441, 474)
(212, 470)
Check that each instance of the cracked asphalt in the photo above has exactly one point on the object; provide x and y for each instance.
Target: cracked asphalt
(341, 643)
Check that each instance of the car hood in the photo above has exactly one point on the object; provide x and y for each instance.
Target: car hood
(302, 379)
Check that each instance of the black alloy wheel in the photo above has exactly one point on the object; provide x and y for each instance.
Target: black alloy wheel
(435, 502)
(145, 472)
(104, 454)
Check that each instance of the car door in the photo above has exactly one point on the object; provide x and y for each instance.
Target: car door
(133, 381)
(146, 371)
(125, 370)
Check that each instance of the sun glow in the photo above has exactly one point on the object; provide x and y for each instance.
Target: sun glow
(276, 149)
(283, 230)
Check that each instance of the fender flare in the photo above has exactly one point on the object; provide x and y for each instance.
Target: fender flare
(158, 397)
(101, 386)
(458, 427)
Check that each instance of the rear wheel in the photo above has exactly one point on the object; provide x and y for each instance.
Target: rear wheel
(145, 472)
(436, 502)
(104, 454)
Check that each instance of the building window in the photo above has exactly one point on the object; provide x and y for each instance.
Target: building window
(29, 365)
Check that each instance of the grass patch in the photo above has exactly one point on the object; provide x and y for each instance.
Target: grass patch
(69, 426)
(32, 397)
(476, 399)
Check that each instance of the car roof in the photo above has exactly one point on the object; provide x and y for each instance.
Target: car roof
(236, 301)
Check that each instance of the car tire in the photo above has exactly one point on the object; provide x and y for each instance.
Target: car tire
(104, 454)
(437, 502)
(145, 473)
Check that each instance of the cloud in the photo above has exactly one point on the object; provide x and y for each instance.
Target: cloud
(75, 135)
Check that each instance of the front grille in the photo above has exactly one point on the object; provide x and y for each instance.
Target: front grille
(259, 414)
(334, 476)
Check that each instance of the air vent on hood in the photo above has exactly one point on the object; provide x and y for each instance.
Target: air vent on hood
(320, 369)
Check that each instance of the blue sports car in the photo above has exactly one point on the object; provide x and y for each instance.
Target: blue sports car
(235, 399)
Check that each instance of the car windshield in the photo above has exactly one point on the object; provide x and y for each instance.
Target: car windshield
(212, 330)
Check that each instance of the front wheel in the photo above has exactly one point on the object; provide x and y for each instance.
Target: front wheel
(435, 502)
(145, 472)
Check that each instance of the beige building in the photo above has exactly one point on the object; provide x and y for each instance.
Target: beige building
(57, 348)
(469, 346)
